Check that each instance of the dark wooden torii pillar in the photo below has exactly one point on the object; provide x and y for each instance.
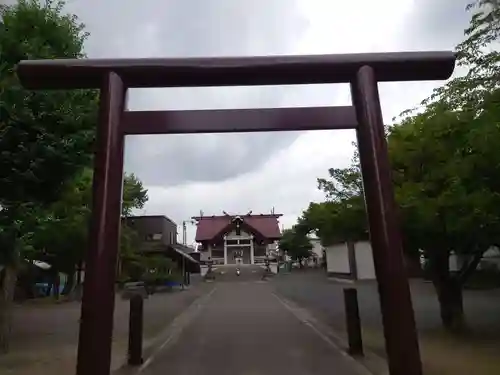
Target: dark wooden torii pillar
(363, 71)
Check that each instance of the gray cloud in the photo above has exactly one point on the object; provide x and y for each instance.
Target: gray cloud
(437, 24)
(194, 28)
(169, 28)
(207, 157)
(240, 172)
(183, 159)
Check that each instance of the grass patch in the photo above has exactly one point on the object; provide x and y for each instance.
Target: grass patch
(443, 354)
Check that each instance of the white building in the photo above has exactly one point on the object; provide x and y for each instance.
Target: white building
(350, 260)
(317, 251)
(490, 260)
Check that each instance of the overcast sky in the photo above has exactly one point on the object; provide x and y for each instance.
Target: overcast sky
(242, 172)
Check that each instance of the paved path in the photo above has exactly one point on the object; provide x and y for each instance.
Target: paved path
(312, 290)
(243, 329)
(441, 354)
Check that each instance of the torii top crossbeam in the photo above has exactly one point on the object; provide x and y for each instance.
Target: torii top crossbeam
(235, 71)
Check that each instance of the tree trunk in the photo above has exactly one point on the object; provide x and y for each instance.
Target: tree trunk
(70, 283)
(78, 289)
(57, 283)
(451, 305)
(8, 278)
(448, 288)
(50, 285)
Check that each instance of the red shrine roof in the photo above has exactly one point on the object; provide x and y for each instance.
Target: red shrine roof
(210, 226)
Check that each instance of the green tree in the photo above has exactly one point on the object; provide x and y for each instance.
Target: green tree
(478, 55)
(62, 240)
(134, 194)
(446, 171)
(295, 242)
(342, 217)
(446, 167)
(447, 175)
(343, 184)
(45, 137)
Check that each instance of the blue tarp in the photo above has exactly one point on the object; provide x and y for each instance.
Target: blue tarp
(172, 283)
(41, 289)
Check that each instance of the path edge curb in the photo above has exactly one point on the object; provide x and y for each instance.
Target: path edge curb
(172, 331)
(370, 364)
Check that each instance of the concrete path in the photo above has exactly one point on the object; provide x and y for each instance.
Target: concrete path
(244, 329)
(314, 291)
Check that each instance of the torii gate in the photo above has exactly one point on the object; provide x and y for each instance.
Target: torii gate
(363, 71)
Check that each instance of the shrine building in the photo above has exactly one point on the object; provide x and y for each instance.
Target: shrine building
(237, 239)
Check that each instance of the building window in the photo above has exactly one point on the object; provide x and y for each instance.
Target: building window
(238, 230)
(157, 236)
(231, 242)
(244, 242)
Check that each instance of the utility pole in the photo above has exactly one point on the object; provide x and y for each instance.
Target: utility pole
(184, 230)
(184, 233)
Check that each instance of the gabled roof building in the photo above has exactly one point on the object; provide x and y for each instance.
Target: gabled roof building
(237, 239)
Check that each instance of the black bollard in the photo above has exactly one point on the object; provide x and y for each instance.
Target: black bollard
(353, 322)
(135, 330)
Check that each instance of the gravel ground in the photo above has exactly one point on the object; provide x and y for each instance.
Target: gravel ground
(45, 336)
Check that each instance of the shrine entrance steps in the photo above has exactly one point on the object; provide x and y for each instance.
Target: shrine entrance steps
(248, 273)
